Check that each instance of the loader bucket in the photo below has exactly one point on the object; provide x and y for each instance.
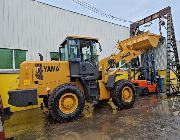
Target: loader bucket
(140, 42)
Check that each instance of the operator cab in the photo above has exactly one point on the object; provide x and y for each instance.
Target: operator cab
(82, 55)
(82, 49)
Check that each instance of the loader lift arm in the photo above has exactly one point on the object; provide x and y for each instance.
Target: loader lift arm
(128, 50)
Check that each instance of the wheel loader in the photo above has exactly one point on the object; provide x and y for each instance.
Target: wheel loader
(80, 77)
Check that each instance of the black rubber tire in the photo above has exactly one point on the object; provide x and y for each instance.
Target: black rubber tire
(53, 104)
(117, 94)
(145, 92)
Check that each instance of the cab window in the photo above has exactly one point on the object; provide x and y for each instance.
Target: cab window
(69, 49)
(86, 53)
(64, 52)
(73, 45)
(89, 51)
(95, 51)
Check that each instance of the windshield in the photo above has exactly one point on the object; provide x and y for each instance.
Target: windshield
(89, 51)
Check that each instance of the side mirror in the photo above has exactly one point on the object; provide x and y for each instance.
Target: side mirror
(100, 48)
(41, 56)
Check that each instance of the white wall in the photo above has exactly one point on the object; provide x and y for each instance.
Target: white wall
(40, 28)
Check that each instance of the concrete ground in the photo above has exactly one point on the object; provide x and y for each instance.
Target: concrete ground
(150, 118)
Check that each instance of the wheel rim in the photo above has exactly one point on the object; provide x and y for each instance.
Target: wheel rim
(127, 94)
(68, 103)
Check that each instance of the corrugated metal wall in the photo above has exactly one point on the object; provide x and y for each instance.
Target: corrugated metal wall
(160, 55)
(40, 28)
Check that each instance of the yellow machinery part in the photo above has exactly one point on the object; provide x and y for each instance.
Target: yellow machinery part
(9, 82)
(127, 94)
(49, 75)
(104, 93)
(140, 42)
(68, 103)
(129, 49)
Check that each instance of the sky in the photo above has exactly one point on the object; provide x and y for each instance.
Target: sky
(126, 9)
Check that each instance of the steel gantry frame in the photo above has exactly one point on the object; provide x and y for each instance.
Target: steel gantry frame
(171, 47)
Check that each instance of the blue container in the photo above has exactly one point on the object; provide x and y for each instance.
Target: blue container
(160, 84)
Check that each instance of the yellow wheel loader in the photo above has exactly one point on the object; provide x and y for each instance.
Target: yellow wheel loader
(65, 85)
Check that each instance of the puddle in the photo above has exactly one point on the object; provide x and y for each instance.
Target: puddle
(88, 110)
(152, 117)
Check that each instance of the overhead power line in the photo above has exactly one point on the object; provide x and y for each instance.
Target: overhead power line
(100, 12)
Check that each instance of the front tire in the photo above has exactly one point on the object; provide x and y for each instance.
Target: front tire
(123, 94)
(66, 103)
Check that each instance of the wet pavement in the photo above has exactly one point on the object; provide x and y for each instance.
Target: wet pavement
(150, 118)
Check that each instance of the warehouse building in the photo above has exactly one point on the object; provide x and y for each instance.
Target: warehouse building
(30, 27)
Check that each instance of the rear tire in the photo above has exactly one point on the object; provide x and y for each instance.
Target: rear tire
(66, 103)
(123, 94)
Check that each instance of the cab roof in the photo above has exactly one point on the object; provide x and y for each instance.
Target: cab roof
(83, 37)
(79, 37)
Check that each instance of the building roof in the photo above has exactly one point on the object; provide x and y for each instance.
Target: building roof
(78, 13)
